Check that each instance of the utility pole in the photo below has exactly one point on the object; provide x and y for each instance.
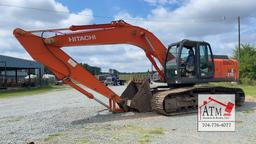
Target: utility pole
(152, 73)
(238, 22)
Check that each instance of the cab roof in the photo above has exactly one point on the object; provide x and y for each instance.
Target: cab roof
(188, 43)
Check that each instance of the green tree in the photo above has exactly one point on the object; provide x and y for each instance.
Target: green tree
(92, 69)
(247, 61)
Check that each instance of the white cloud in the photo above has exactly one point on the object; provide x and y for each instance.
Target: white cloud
(211, 20)
(161, 2)
(195, 19)
(122, 57)
(34, 14)
(83, 17)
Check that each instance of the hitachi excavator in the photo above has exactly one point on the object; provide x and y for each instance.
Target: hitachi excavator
(183, 66)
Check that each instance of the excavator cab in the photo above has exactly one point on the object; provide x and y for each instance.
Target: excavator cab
(192, 63)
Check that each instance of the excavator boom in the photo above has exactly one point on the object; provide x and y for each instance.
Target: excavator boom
(48, 51)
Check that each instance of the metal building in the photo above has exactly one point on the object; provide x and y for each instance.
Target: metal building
(14, 70)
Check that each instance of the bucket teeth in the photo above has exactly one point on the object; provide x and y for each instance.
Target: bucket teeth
(137, 96)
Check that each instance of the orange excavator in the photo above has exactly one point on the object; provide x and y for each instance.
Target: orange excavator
(182, 66)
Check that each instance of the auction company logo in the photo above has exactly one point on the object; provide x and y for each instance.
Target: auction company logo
(216, 112)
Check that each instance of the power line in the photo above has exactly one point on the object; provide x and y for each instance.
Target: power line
(48, 10)
(32, 8)
(195, 21)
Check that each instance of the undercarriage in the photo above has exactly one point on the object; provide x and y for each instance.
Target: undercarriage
(171, 101)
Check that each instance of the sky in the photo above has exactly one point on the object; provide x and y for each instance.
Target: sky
(214, 21)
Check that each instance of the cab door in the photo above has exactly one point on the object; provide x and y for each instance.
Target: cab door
(205, 60)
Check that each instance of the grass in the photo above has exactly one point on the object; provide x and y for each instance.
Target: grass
(82, 141)
(53, 137)
(248, 111)
(148, 133)
(145, 139)
(128, 77)
(140, 134)
(156, 131)
(248, 89)
(15, 119)
(29, 91)
(239, 121)
(107, 133)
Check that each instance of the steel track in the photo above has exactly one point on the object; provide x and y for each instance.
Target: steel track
(185, 99)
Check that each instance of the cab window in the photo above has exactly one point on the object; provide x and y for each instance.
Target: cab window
(187, 62)
(171, 62)
(206, 61)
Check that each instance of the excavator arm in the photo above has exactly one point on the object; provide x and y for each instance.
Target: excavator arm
(48, 52)
(118, 32)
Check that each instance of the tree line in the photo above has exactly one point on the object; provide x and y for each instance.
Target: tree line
(247, 63)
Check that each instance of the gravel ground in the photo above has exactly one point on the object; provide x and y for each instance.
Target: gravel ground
(66, 116)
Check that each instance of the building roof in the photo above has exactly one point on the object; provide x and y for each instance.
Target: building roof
(18, 63)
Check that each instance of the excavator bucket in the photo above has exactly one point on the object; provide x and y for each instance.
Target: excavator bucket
(137, 96)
